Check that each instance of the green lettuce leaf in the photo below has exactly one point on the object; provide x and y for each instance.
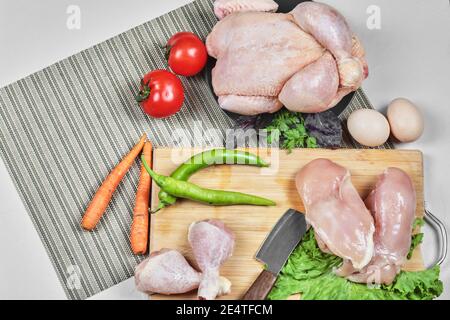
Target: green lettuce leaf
(421, 285)
(309, 271)
(416, 239)
(418, 222)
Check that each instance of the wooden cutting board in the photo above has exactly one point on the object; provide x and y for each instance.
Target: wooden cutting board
(252, 224)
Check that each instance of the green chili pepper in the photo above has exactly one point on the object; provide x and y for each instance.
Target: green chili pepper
(203, 160)
(187, 190)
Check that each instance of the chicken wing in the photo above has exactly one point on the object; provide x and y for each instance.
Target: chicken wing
(222, 8)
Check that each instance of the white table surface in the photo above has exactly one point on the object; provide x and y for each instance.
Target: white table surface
(409, 56)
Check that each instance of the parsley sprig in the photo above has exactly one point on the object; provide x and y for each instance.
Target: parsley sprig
(288, 128)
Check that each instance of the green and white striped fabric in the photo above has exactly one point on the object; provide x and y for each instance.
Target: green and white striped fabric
(62, 129)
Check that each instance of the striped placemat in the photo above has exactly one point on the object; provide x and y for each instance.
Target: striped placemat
(62, 129)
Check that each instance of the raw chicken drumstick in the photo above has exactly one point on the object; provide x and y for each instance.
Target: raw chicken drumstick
(212, 244)
(393, 206)
(341, 222)
(306, 60)
(166, 272)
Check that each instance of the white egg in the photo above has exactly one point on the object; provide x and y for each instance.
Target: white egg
(405, 119)
(368, 127)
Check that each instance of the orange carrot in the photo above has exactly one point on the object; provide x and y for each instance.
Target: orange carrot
(103, 195)
(139, 227)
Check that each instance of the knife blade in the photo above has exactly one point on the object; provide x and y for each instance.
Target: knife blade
(282, 240)
(275, 250)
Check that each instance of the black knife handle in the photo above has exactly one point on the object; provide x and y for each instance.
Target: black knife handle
(261, 287)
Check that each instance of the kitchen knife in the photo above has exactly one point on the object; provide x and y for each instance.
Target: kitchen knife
(275, 251)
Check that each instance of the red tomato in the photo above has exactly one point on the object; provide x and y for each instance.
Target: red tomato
(186, 54)
(161, 94)
(179, 35)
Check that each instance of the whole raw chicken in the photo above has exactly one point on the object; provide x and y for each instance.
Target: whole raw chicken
(393, 206)
(342, 224)
(306, 60)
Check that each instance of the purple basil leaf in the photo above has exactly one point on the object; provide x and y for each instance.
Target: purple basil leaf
(325, 127)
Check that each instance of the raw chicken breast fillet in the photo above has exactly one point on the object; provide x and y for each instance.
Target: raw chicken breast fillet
(341, 222)
(393, 206)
